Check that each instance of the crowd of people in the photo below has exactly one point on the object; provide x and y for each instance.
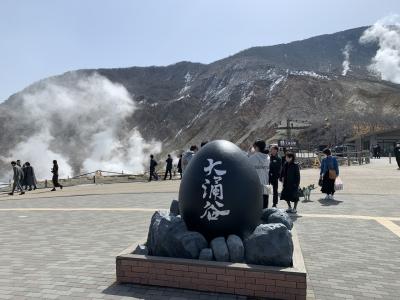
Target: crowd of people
(271, 169)
(24, 178)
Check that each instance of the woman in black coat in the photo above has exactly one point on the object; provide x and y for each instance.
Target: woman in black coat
(291, 181)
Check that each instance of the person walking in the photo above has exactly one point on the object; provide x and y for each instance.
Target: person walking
(329, 172)
(17, 177)
(261, 163)
(23, 182)
(30, 178)
(397, 154)
(291, 182)
(179, 167)
(168, 168)
(275, 169)
(187, 156)
(378, 151)
(153, 164)
(54, 170)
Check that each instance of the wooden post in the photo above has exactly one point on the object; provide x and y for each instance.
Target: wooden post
(94, 179)
(45, 183)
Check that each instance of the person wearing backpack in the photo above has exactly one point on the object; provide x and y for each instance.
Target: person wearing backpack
(328, 174)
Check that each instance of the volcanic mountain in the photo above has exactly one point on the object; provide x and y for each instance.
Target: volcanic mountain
(242, 97)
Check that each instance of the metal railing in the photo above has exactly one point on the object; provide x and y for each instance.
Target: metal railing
(349, 158)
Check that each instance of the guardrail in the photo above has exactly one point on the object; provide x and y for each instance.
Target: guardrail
(313, 160)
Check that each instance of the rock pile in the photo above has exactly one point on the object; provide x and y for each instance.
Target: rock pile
(269, 244)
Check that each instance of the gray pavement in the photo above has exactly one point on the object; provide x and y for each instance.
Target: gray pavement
(64, 254)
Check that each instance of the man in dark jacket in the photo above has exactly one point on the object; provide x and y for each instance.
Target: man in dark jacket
(17, 177)
(378, 151)
(397, 154)
(30, 178)
(180, 165)
(275, 168)
(153, 164)
(54, 170)
(168, 168)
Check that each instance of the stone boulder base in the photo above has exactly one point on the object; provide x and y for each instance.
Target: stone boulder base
(141, 250)
(269, 211)
(281, 217)
(220, 249)
(269, 245)
(206, 254)
(174, 208)
(236, 248)
(168, 236)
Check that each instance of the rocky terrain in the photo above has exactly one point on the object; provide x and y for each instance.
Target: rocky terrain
(241, 97)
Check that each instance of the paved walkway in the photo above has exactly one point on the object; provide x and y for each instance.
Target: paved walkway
(62, 245)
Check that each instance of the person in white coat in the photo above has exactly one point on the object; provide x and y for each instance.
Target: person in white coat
(260, 160)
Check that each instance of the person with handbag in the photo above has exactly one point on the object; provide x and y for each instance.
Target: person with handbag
(328, 174)
(291, 182)
(260, 160)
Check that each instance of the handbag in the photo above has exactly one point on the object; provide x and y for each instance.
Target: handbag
(331, 172)
(320, 181)
(338, 184)
(268, 190)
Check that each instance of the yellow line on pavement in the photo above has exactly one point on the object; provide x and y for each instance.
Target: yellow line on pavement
(348, 217)
(389, 225)
(83, 209)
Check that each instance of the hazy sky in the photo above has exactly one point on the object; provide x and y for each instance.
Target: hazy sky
(47, 37)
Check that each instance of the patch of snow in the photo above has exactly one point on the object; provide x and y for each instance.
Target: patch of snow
(180, 98)
(276, 83)
(179, 132)
(188, 79)
(246, 98)
(308, 73)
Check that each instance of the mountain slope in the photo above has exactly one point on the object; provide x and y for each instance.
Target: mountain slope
(238, 98)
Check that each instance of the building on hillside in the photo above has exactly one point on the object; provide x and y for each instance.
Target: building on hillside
(386, 139)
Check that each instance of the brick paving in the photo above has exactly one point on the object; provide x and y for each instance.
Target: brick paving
(71, 254)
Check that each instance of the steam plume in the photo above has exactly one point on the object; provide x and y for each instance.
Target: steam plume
(346, 62)
(81, 122)
(385, 32)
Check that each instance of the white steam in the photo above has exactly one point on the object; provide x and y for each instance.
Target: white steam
(82, 123)
(386, 33)
(346, 62)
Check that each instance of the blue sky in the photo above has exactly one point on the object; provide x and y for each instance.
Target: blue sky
(47, 37)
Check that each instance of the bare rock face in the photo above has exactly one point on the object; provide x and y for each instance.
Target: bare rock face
(270, 245)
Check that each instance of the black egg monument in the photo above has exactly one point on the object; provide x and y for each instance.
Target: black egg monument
(220, 193)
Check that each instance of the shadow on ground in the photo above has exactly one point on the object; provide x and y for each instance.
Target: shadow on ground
(329, 202)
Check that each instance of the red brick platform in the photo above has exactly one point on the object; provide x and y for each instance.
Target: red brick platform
(240, 279)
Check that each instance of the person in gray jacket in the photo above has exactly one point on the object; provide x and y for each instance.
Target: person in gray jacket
(17, 177)
(261, 161)
(187, 156)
